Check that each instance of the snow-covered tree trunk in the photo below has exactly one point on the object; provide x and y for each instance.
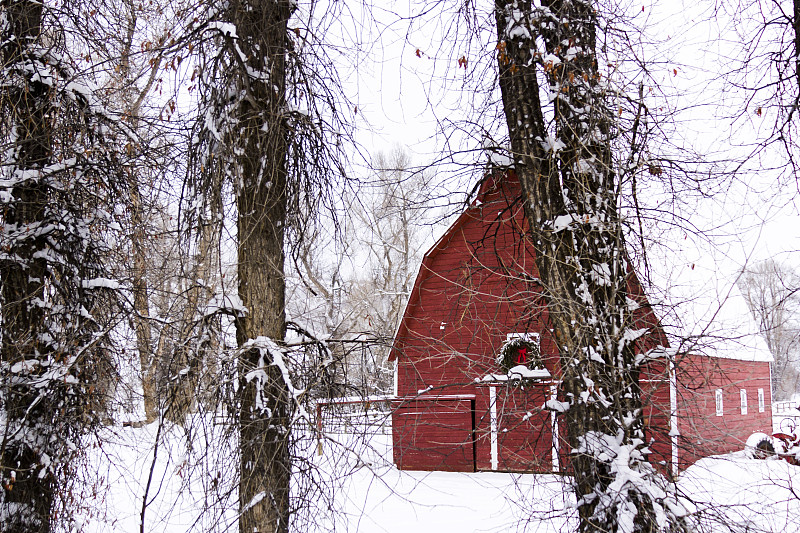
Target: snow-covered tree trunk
(269, 127)
(259, 135)
(27, 498)
(570, 187)
(58, 184)
(796, 28)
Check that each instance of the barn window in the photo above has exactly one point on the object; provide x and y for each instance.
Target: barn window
(520, 349)
(760, 400)
(743, 400)
(718, 398)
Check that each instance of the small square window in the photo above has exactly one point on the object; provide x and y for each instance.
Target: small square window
(718, 398)
(743, 400)
(760, 400)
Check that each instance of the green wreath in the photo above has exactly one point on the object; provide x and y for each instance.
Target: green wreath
(518, 351)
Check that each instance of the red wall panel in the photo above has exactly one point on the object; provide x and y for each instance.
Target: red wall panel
(703, 433)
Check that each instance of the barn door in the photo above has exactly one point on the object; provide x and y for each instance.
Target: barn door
(524, 429)
(434, 434)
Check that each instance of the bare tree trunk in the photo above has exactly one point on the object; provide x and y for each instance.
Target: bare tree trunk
(23, 287)
(194, 348)
(141, 302)
(796, 28)
(132, 100)
(261, 203)
(571, 203)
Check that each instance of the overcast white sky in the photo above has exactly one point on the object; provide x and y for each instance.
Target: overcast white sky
(408, 99)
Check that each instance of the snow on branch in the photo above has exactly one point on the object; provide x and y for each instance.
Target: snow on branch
(228, 30)
(272, 354)
(633, 478)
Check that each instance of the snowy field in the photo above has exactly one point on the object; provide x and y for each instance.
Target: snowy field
(365, 493)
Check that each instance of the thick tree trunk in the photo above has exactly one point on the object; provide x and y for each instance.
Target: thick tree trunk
(26, 498)
(796, 28)
(571, 203)
(261, 203)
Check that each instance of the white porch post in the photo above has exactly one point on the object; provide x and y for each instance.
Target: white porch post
(554, 428)
(673, 415)
(493, 426)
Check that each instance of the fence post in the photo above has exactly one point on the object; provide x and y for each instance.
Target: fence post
(319, 428)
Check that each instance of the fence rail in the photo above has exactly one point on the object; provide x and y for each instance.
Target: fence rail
(371, 414)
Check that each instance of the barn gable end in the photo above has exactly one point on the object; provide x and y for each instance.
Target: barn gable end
(477, 288)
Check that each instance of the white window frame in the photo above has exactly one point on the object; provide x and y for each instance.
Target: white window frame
(761, 404)
(719, 402)
(743, 400)
(527, 337)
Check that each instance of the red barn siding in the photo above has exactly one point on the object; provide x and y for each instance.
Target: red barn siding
(525, 437)
(654, 381)
(483, 458)
(524, 430)
(434, 434)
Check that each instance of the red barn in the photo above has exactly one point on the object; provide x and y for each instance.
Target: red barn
(476, 325)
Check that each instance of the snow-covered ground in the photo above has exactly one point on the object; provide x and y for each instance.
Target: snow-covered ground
(365, 493)
(754, 494)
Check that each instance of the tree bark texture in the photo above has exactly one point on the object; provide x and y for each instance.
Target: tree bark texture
(796, 29)
(59, 177)
(570, 189)
(26, 497)
(261, 158)
(141, 301)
